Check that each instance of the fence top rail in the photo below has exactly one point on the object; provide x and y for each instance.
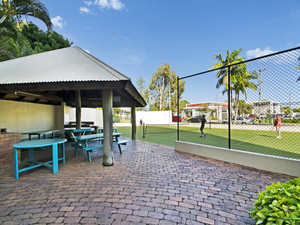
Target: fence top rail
(246, 61)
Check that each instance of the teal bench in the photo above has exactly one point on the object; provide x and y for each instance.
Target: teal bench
(93, 147)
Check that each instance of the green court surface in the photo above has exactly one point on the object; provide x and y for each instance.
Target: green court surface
(247, 140)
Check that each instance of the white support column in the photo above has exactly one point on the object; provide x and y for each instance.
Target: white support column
(133, 123)
(107, 105)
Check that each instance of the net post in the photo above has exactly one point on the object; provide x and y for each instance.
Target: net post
(177, 108)
(143, 130)
(229, 107)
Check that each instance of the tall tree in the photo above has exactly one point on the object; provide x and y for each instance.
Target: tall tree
(21, 39)
(182, 104)
(163, 89)
(12, 43)
(41, 41)
(222, 74)
(142, 88)
(244, 108)
(231, 58)
(241, 82)
(17, 8)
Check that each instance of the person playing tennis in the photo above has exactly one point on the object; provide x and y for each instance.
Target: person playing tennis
(203, 121)
(277, 124)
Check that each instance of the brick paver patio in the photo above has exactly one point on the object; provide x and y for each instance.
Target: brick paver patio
(149, 184)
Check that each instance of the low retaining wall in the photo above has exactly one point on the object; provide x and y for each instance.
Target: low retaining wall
(259, 161)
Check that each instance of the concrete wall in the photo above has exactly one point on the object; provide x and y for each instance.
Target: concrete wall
(87, 114)
(154, 117)
(24, 117)
(255, 160)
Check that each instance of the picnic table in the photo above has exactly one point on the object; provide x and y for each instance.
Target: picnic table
(38, 144)
(71, 132)
(41, 133)
(82, 142)
(101, 129)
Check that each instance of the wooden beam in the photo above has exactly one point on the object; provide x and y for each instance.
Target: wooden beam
(135, 94)
(59, 86)
(36, 96)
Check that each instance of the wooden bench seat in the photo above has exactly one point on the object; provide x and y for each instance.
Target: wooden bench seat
(91, 148)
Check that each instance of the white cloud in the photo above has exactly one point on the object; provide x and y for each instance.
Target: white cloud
(116, 4)
(88, 3)
(109, 4)
(58, 22)
(84, 10)
(102, 4)
(258, 52)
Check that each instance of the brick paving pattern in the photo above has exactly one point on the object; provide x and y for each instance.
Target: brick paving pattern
(149, 184)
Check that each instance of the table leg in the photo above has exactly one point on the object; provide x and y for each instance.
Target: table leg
(63, 153)
(16, 163)
(55, 158)
(31, 156)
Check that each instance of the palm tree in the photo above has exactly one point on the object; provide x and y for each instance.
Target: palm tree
(231, 58)
(12, 43)
(17, 8)
(241, 82)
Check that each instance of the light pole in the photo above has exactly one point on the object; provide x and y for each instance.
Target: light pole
(261, 70)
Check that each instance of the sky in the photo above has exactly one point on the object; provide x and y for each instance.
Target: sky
(137, 36)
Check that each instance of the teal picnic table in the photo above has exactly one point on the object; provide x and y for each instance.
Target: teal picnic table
(40, 134)
(101, 129)
(84, 140)
(72, 131)
(38, 144)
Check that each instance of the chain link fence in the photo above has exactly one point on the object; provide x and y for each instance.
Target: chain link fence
(241, 103)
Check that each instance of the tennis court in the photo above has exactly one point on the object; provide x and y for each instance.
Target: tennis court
(260, 141)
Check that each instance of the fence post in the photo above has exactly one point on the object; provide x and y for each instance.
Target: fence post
(229, 108)
(178, 108)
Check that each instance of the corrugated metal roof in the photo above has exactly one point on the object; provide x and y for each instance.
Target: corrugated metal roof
(62, 65)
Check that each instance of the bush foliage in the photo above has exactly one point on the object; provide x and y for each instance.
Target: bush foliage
(278, 204)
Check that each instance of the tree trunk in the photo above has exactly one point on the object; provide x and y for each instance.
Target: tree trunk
(237, 106)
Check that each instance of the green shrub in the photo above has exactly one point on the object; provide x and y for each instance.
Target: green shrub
(296, 120)
(291, 120)
(116, 118)
(278, 204)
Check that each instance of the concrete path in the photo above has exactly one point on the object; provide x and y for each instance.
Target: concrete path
(149, 184)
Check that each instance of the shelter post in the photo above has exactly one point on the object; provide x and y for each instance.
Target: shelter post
(107, 105)
(78, 109)
(60, 116)
(133, 123)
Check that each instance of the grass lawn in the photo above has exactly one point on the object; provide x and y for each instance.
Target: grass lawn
(249, 140)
